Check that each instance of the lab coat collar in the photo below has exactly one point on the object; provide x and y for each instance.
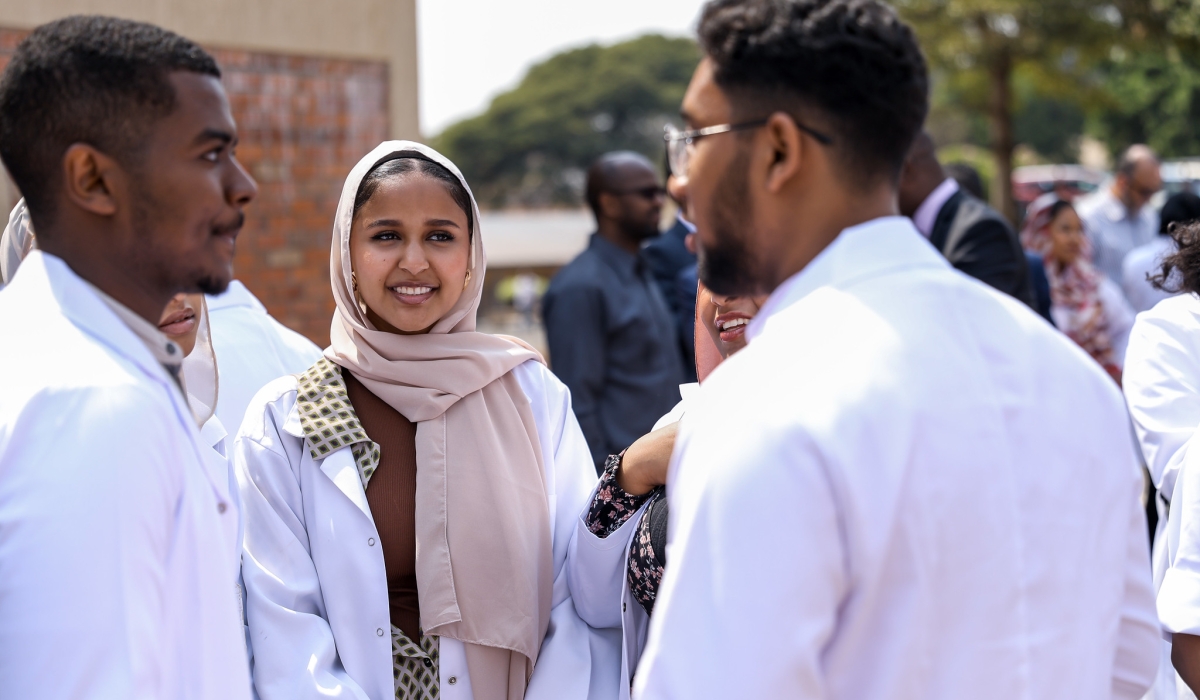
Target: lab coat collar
(235, 296)
(50, 281)
(332, 432)
(56, 283)
(340, 465)
(868, 250)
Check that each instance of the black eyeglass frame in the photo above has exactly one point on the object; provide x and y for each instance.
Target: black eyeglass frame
(647, 192)
(690, 136)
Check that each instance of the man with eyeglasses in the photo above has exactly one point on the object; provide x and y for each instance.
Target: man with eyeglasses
(611, 336)
(1118, 219)
(907, 485)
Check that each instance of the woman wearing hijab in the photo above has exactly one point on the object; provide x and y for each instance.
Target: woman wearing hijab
(412, 499)
(629, 506)
(1084, 304)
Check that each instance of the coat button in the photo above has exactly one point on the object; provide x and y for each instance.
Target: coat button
(379, 632)
(453, 680)
(427, 662)
(220, 507)
(370, 541)
(622, 607)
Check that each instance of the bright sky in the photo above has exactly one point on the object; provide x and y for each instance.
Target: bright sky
(471, 50)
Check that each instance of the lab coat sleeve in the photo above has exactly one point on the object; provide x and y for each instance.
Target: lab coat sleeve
(89, 484)
(1138, 635)
(1162, 389)
(294, 653)
(576, 660)
(596, 567)
(1179, 595)
(593, 566)
(726, 572)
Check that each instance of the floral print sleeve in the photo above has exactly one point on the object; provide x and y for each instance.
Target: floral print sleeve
(611, 507)
(645, 568)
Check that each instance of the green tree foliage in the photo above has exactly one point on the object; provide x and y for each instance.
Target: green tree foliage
(1153, 96)
(981, 49)
(532, 145)
(1051, 127)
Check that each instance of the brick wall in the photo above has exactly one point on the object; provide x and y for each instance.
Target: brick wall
(303, 122)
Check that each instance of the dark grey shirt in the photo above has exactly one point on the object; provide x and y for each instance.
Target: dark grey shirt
(612, 342)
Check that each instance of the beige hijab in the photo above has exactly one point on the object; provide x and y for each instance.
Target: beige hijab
(484, 561)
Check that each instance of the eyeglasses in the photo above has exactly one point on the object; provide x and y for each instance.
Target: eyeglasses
(679, 143)
(650, 192)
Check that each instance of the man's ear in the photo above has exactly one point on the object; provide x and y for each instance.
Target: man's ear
(786, 151)
(90, 179)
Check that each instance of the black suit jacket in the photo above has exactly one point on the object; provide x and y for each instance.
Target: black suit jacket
(979, 242)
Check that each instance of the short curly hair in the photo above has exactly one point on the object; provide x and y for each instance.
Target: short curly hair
(86, 79)
(853, 63)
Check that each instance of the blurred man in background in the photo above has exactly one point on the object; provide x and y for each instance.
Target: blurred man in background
(668, 256)
(611, 337)
(1117, 219)
(975, 238)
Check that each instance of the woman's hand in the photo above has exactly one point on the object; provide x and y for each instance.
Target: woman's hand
(644, 464)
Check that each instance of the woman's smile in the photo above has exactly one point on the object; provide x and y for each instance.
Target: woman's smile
(732, 325)
(413, 294)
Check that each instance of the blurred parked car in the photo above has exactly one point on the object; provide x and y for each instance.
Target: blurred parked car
(1178, 176)
(1070, 181)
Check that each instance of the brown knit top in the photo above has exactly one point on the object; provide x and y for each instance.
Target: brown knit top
(392, 497)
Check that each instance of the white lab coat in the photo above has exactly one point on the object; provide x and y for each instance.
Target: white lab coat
(251, 348)
(115, 563)
(1162, 389)
(317, 600)
(906, 487)
(606, 601)
(599, 607)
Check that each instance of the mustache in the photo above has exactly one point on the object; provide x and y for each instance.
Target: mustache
(231, 227)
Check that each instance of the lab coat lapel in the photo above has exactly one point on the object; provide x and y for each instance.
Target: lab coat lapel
(337, 464)
(75, 300)
(343, 472)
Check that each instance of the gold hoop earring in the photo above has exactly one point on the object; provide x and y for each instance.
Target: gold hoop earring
(467, 280)
(354, 280)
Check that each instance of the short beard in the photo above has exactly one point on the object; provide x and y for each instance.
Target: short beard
(727, 267)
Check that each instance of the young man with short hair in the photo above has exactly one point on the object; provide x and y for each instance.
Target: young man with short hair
(115, 579)
(931, 494)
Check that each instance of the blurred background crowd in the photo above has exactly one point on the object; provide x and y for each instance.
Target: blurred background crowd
(1028, 98)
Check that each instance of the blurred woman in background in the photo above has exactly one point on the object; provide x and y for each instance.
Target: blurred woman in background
(1084, 304)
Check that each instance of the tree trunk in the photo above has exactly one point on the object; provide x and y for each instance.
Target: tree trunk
(1000, 127)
